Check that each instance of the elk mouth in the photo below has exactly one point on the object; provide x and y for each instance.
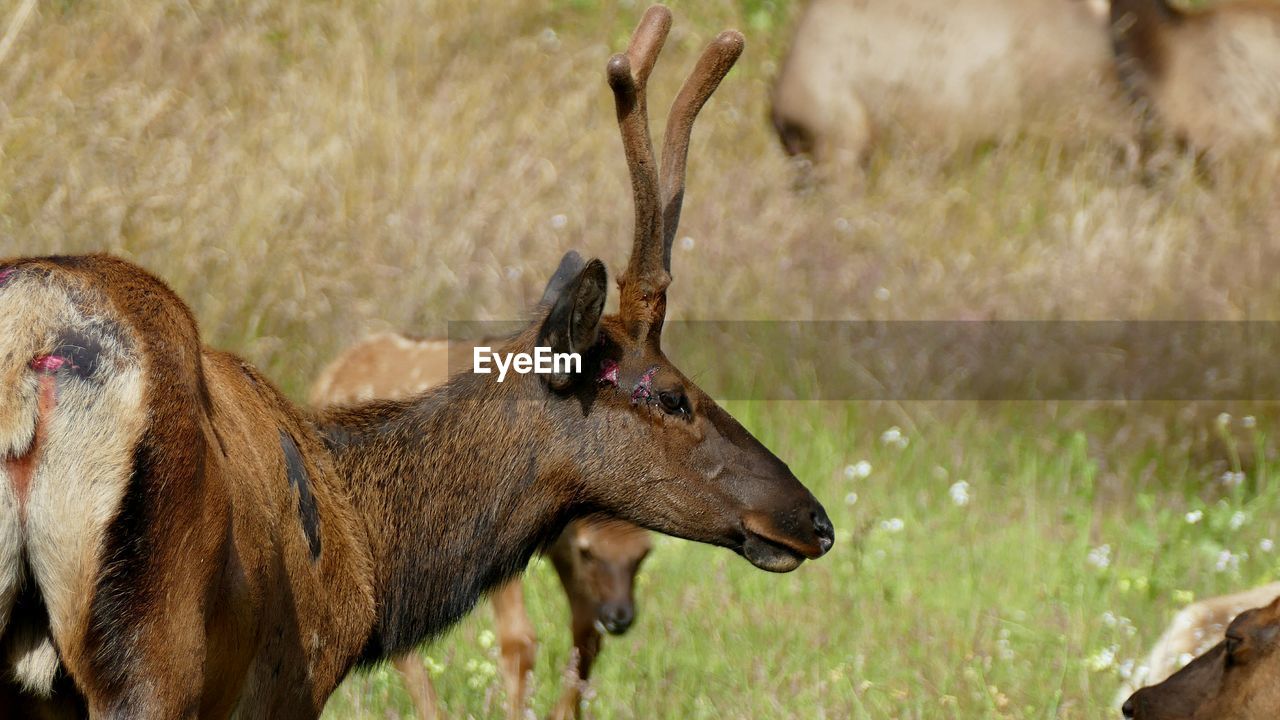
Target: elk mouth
(769, 555)
(770, 550)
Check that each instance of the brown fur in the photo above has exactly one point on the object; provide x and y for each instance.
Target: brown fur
(194, 544)
(938, 73)
(596, 561)
(1234, 680)
(1210, 79)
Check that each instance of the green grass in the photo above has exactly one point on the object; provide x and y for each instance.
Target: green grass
(926, 608)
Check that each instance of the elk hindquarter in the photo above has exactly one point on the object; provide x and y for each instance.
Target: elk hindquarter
(160, 523)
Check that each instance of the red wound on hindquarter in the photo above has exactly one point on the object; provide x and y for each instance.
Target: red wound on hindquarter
(23, 467)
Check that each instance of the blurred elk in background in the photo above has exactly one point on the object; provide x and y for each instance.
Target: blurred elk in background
(1208, 79)
(937, 74)
(1192, 632)
(1238, 678)
(596, 561)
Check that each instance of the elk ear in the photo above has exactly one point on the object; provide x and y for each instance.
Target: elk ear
(570, 265)
(574, 320)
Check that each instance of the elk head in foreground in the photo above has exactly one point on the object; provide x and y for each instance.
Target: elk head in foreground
(1234, 680)
(179, 539)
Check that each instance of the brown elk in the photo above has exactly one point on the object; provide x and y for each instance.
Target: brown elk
(1236, 679)
(1210, 79)
(596, 561)
(936, 72)
(180, 540)
(1193, 631)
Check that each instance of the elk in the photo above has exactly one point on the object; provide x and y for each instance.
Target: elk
(1209, 79)
(178, 539)
(1193, 631)
(936, 72)
(1233, 680)
(596, 561)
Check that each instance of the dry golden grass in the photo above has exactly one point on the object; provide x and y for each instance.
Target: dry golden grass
(305, 172)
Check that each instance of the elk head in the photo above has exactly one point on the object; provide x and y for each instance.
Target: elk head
(650, 445)
(1235, 680)
(602, 559)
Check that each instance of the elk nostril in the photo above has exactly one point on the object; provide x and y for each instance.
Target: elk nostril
(1128, 708)
(823, 529)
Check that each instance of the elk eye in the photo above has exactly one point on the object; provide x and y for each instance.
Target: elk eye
(674, 402)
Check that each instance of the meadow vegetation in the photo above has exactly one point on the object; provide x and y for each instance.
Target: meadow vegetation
(306, 172)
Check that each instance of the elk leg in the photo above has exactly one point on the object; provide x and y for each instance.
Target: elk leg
(586, 645)
(518, 644)
(418, 682)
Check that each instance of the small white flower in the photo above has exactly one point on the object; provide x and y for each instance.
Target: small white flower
(1100, 557)
(893, 436)
(1227, 561)
(686, 242)
(857, 471)
(1224, 419)
(1185, 658)
(1249, 421)
(1237, 520)
(851, 499)
(882, 294)
(1194, 517)
(1104, 659)
(893, 525)
(559, 220)
(1266, 545)
(959, 493)
(486, 639)
(1232, 479)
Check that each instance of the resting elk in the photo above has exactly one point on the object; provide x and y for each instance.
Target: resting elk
(1236, 679)
(1210, 79)
(177, 539)
(1194, 630)
(935, 72)
(596, 561)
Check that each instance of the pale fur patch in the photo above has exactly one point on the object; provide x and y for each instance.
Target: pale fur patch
(86, 459)
(77, 489)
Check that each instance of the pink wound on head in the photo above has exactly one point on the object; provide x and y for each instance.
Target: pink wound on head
(644, 388)
(48, 363)
(5, 275)
(608, 373)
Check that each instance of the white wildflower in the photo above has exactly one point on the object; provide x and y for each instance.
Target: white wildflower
(1100, 557)
(1266, 545)
(1194, 517)
(893, 525)
(960, 493)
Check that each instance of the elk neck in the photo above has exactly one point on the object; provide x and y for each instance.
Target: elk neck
(459, 487)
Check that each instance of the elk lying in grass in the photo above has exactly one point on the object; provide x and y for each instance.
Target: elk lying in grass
(1210, 79)
(178, 539)
(596, 561)
(1193, 631)
(936, 72)
(1237, 679)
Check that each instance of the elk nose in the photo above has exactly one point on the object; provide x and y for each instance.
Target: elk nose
(617, 617)
(823, 529)
(1128, 708)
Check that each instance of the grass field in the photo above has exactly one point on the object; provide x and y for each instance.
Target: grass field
(307, 172)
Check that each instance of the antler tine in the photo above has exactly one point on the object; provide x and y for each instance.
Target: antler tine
(628, 76)
(712, 66)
